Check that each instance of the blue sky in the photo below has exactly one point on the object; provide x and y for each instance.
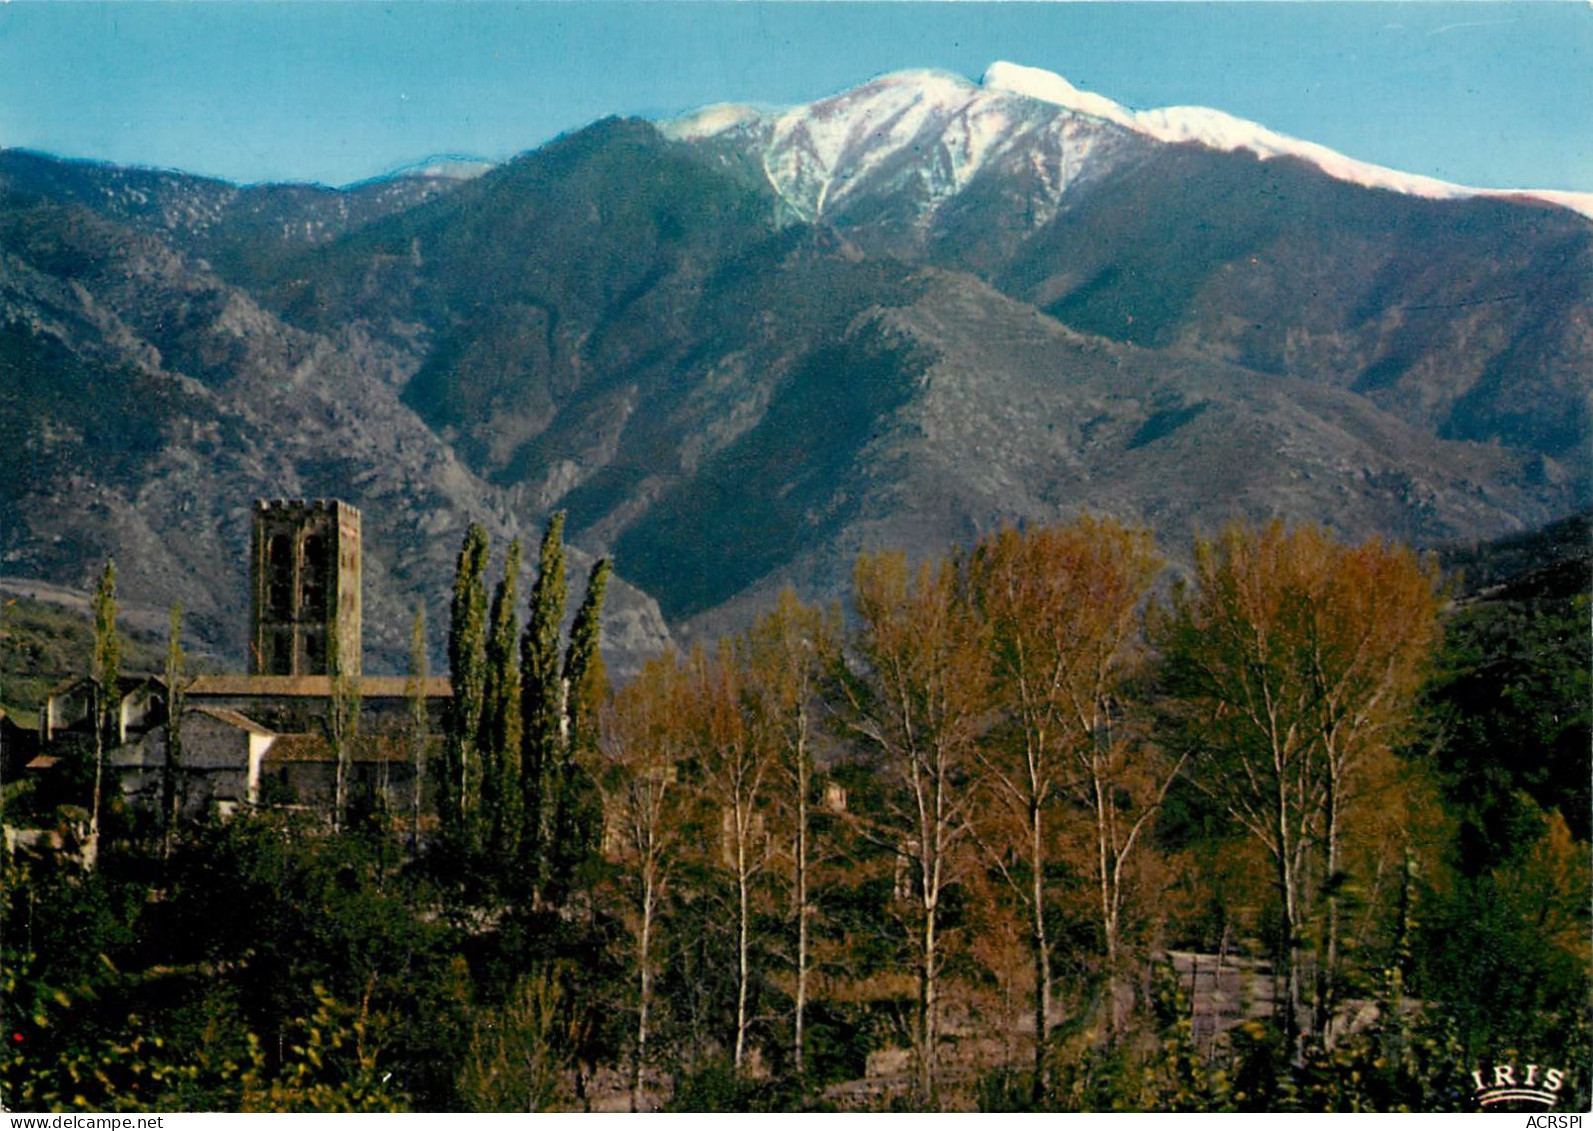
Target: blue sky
(1482, 93)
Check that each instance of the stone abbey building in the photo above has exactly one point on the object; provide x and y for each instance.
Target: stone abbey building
(264, 739)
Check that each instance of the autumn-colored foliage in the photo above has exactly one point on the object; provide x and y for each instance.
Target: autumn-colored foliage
(1028, 827)
(1294, 661)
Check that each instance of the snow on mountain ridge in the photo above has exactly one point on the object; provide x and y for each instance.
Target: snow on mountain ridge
(710, 121)
(1046, 86)
(1216, 129)
(921, 134)
(820, 154)
(820, 151)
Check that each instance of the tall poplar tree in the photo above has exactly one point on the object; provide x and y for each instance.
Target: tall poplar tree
(577, 805)
(176, 687)
(343, 723)
(105, 669)
(500, 740)
(585, 675)
(419, 724)
(542, 698)
(467, 643)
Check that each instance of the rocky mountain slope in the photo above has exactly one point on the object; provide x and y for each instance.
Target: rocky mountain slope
(1458, 310)
(146, 403)
(738, 348)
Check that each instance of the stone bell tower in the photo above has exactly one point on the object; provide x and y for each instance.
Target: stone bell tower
(304, 592)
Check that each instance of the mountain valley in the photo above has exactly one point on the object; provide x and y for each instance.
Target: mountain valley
(738, 348)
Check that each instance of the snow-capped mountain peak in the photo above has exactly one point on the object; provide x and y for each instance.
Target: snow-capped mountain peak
(820, 154)
(1045, 86)
(930, 133)
(923, 134)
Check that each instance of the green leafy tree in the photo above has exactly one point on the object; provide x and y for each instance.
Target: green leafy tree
(311, 910)
(561, 687)
(419, 723)
(543, 697)
(334, 1063)
(521, 1053)
(342, 723)
(1506, 956)
(176, 694)
(104, 674)
(578, 817)
(500, 737)
(467, 643)
(1512, 711)
(330, 1062)
(584, 670)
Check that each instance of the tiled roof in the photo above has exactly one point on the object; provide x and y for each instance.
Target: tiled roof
(299, 748)
(311, 747)
(126, 683)
(67, 683)
(235, 719)
(309, 686)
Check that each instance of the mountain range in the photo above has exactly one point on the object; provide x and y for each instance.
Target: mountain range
(739, 347)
